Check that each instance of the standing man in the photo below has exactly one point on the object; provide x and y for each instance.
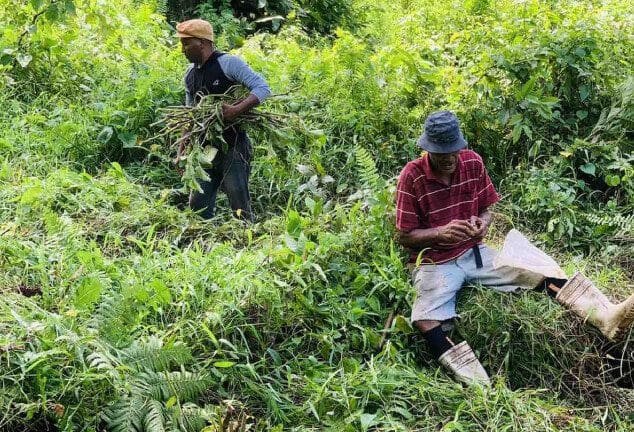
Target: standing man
(442, 216)
(214, 72)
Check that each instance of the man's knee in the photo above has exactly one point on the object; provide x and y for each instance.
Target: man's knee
(426, 325)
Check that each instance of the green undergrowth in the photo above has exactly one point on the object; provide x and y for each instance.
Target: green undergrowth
(124, 311)
(147, 311)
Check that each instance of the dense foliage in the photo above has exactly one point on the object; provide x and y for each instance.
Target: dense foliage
(124, 311)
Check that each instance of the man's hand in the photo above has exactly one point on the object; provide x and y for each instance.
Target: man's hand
(183, 141)
(456, 231)
(230, 113)
(480, 227)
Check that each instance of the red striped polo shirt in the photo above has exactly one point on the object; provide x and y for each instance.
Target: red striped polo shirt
(423, 201)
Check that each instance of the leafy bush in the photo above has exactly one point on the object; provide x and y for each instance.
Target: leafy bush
(152, 318)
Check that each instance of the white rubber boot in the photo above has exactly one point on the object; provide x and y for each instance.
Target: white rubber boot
(582, 297)
(466, 367)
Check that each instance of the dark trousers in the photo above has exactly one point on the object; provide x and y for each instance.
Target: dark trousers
(230, 172)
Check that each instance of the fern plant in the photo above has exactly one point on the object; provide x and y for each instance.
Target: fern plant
(368, 172)
(623, 226)
(152, 396)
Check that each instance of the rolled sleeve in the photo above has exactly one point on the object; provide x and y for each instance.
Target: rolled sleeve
(487, 195)
(237, 70)
(407, 210)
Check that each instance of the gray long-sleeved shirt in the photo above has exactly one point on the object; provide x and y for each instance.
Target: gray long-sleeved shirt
(237, 70)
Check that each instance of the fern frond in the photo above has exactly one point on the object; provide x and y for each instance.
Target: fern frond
(126, 415)
(112, 319)
(154, 356)
(161, 6)
(192, 418)
(186, 386)
(154, 420)
(102, 361)
(368, 172)
(623, 225)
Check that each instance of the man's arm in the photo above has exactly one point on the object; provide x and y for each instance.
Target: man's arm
(446, 236)
(230, 112)
(237, 70)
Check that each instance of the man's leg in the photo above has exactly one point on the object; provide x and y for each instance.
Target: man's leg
(436, 338)
(205, 202)
(551, 286)
(578, 294)
(235, 181)
(436, 289)
(505, 279)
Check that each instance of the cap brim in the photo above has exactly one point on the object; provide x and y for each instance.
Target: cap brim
(183, 35)
(431, 147)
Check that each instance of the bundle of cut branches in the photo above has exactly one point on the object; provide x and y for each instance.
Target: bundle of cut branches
(196, 133)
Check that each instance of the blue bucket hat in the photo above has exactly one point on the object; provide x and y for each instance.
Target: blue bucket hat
(442, 133)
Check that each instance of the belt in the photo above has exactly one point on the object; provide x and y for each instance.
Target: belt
(478, 257)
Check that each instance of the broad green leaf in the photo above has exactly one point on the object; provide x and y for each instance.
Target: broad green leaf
(224, 364)
(128, 139)
(31, 195)
(24, 59)
(612, 180)
(526, 88)
(105, 134)
(87, 293)
(52, 12)
(517, 132)
(69, 7)
(588, 168)
(171, 402)
(274, 355)
(581, 114)
(581, 52)
(160, 292)
(584, 92)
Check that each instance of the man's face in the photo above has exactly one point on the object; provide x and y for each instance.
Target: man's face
(193, 49)
(444, 163)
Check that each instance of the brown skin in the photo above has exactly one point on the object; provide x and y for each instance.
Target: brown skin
(198, 52)
(447, 236)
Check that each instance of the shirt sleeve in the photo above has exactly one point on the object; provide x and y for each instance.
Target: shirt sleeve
(407, 212)
(237, 70)
(487, 195)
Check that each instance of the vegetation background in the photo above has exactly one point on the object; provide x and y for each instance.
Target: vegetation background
(123, 311)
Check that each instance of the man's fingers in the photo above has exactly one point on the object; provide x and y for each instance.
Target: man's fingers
(462, 230)
(458, 234)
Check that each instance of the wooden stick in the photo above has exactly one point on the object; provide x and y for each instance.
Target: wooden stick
(386, 327)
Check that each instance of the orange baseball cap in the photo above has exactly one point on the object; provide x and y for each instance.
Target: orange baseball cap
(195, 28)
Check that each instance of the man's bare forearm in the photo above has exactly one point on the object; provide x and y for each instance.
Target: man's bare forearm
(418, 238)
(230, 112)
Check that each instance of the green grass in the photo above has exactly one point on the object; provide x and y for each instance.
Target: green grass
(150, 318)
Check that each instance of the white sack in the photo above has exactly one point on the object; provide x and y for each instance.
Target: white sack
(519, 252)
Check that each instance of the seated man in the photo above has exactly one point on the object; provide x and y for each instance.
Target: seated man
(442, 215)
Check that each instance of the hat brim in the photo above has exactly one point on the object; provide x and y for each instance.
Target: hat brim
(186, 35)
(424, 143)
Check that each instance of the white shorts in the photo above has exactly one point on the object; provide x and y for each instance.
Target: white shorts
(437, 284)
